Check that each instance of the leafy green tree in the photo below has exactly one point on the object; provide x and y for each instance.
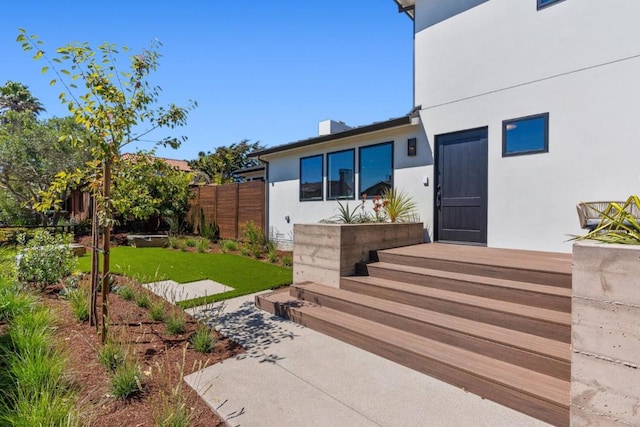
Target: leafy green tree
(15, 96)
(117, 108)
(220, 164)
(31, 155)
(147, 187)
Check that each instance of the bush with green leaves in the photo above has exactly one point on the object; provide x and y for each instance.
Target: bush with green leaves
(174, 242)
(228, 245)
(287, 261)
(191, 242)
(203, 245)
(45, 259)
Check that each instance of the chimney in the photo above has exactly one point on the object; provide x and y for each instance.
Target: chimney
(328, 127)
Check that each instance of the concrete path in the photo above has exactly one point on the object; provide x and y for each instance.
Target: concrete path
(294, 376)
(173, 291)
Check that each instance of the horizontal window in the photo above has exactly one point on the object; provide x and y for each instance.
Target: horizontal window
(311, 178)
(525, 135)
(376, 169)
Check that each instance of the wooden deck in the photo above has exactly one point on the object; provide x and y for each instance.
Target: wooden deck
(495, 322)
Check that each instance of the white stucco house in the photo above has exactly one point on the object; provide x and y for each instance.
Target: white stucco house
(522, 108)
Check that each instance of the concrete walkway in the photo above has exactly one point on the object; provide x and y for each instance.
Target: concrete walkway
(173, 291)
(294, 376)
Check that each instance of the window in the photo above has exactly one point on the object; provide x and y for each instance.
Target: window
(525, 135)
(340, 176)
(544, 3)
(376, 168)
(311, 178)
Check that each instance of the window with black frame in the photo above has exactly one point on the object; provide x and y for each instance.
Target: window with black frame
(340, 175)
(525, 135)
(545, 3)
(376, 169)
(311, 178)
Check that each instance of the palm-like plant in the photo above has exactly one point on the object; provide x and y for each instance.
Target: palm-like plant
(15, 96)
(618, 224)
(399, 206)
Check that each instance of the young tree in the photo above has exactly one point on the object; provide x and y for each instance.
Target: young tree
(117, 108)
(220, 164)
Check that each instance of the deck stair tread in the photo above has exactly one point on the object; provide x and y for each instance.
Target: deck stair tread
(484, 280)
(535, 384)
(528, 342)
(551, 316)
(519, 259)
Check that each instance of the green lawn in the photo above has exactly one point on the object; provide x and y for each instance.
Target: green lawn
(245, 275)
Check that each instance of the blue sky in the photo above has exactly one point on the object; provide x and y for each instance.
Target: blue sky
(267, 71)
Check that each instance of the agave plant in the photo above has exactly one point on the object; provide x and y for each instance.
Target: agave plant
(618, 224)
(345, 215)
(399, 206)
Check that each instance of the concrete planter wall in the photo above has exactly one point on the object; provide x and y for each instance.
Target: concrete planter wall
(323, 253)
(605, 361)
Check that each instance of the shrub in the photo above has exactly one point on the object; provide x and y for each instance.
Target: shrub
(272, 255)
(156, 311)
(79, 300)
(202, 246)
(202, 340)
(175, 324)
(142, 300)
(245, 251)
(12, 301)
(126, 293)
(191, 242)
(125, 381)
(228, 245)
(398, 205)
(174, 242)
(287, 261)
(111, 355)
(46, 259)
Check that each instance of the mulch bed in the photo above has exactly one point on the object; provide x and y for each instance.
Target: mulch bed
(160, 355)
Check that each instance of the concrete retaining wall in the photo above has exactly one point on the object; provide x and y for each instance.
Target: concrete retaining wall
(322, 253)
(605, 361)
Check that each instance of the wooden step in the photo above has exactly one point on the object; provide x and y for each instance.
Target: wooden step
(543, 355)
(527, 391)
(547, 268)
(545, 296)
(538, 321)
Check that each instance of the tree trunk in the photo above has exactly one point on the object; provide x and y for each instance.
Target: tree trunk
(106, 237)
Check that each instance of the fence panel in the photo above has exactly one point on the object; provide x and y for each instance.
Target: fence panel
(250, 204)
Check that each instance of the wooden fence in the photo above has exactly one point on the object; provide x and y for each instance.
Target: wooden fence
(230, 206)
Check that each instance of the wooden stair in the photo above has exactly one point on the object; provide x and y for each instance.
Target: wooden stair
(494, 322)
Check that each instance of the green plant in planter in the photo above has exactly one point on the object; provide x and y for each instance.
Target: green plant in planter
(398, 206)
(346, 215)
(619, 223)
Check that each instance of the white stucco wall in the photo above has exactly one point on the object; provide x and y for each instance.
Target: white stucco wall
(503, 59)
(284, 169)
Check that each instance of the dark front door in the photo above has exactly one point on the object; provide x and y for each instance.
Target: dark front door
(461, 187)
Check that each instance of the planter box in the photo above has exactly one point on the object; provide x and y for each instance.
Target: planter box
(323, 253)
(148, 241)
(605, 359)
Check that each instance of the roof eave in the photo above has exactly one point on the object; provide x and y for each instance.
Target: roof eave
(375, 127)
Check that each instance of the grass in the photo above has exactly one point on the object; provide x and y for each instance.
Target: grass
(79, 301)
(245, 275)
(156, 311)
(111, 355)
(125, 381)
(176, 324)
(203, 341)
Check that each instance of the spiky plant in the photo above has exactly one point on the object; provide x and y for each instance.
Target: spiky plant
(398, 205)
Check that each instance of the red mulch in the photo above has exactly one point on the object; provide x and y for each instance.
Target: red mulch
(154, 349)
